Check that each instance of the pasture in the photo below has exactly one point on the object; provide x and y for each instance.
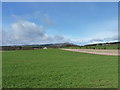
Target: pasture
(55, 68)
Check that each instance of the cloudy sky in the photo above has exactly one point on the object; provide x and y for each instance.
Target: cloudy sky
(58, 22)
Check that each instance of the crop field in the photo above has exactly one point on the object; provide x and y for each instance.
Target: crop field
(97, 47)
(55, 68)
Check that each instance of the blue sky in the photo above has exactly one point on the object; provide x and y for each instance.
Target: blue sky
(56, 22)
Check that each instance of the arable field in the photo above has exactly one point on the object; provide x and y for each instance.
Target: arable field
(55, 68)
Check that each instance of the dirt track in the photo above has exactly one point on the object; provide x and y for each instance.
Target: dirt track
(96, 51)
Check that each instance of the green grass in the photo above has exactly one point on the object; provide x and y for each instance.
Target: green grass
(54, 68)
(97, 47)
(0, 70)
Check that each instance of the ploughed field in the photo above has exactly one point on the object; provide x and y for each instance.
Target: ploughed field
(55, 68)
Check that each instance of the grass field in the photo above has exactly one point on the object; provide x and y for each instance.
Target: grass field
(97, 47)
(54, 68)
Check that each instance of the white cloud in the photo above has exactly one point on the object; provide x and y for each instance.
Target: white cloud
(25, 32)
(100, 32)
(41, 18)
(93, 40)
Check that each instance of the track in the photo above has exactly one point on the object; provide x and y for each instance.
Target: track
(96, 51)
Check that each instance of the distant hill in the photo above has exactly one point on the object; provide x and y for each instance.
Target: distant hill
(98, 44)
(56, 45)
(111, 45)
(37, 46)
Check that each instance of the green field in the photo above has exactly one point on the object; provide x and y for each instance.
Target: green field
(97, 47)
(55, 68)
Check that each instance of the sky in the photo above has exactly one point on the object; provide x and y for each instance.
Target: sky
(58, 22)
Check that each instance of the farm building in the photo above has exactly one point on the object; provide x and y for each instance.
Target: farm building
(45, 48)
